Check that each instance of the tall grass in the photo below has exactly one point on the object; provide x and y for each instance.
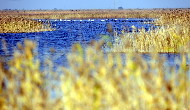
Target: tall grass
(171, 36)
(94, 80)
(9, 24)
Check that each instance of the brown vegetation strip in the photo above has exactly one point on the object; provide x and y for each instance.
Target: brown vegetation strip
(85, 14)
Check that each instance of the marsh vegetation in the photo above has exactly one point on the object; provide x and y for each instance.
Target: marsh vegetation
(95, 80)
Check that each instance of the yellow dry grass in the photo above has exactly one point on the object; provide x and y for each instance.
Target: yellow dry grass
(172, 35)
(10, 24)
(94, 82)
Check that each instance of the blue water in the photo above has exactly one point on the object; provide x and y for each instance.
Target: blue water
(69, 32)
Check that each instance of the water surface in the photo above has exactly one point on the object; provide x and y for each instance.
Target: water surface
(69, 32)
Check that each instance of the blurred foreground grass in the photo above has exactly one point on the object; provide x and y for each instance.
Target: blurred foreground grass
(94, 80)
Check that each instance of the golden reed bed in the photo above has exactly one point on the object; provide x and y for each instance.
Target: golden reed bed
(10, 24)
